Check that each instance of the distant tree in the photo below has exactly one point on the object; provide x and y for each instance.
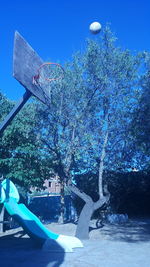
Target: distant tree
(21, 157)
(140, 125)
(20, 154)
(5, 106)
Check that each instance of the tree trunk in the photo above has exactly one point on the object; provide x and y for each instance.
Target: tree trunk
(82, 230)
(62, 203)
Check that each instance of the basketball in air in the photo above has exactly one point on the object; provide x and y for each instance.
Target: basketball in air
(95, 27)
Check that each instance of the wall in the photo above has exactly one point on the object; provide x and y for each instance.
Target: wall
(48, 208)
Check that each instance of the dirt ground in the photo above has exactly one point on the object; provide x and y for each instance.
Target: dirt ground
(125, 245)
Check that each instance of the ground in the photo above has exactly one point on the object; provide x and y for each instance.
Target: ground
(111, 246)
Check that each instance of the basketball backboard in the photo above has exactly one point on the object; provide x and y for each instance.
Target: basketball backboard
(26, 62)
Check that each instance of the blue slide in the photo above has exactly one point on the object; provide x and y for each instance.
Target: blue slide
(9, 196)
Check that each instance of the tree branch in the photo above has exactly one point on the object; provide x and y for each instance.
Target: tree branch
(101, 166)
(80, 193)
(101, 202)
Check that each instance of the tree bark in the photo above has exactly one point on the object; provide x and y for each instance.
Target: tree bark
(101, 166)
(82, 230)
(62, 204)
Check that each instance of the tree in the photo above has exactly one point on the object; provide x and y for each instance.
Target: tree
(86, 123)
(113, 73)
(20, 155)
(140, 124)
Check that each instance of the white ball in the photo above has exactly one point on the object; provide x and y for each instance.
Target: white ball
(95, 27)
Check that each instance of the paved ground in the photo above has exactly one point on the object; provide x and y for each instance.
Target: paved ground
(111, 246)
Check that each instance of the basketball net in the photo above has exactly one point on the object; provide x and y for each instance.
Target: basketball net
(47, 73)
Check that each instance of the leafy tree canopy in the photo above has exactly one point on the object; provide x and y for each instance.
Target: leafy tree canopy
(20, 154)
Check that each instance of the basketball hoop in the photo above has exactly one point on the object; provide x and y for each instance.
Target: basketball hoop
(48, 72)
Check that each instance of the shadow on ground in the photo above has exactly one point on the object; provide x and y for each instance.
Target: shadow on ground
(16, 250)
(137, 230)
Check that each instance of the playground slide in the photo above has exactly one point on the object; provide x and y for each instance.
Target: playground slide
(2, 194)
(33, 226)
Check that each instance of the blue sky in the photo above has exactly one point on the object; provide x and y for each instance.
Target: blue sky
(56, 29)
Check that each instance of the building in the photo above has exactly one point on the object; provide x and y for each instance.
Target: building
(52, 185)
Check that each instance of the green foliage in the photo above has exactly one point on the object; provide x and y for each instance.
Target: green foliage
(5, 106)
(101, 81)
(20, 156)
(140, 124)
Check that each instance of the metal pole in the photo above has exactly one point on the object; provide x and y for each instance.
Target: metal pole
(14, 111)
